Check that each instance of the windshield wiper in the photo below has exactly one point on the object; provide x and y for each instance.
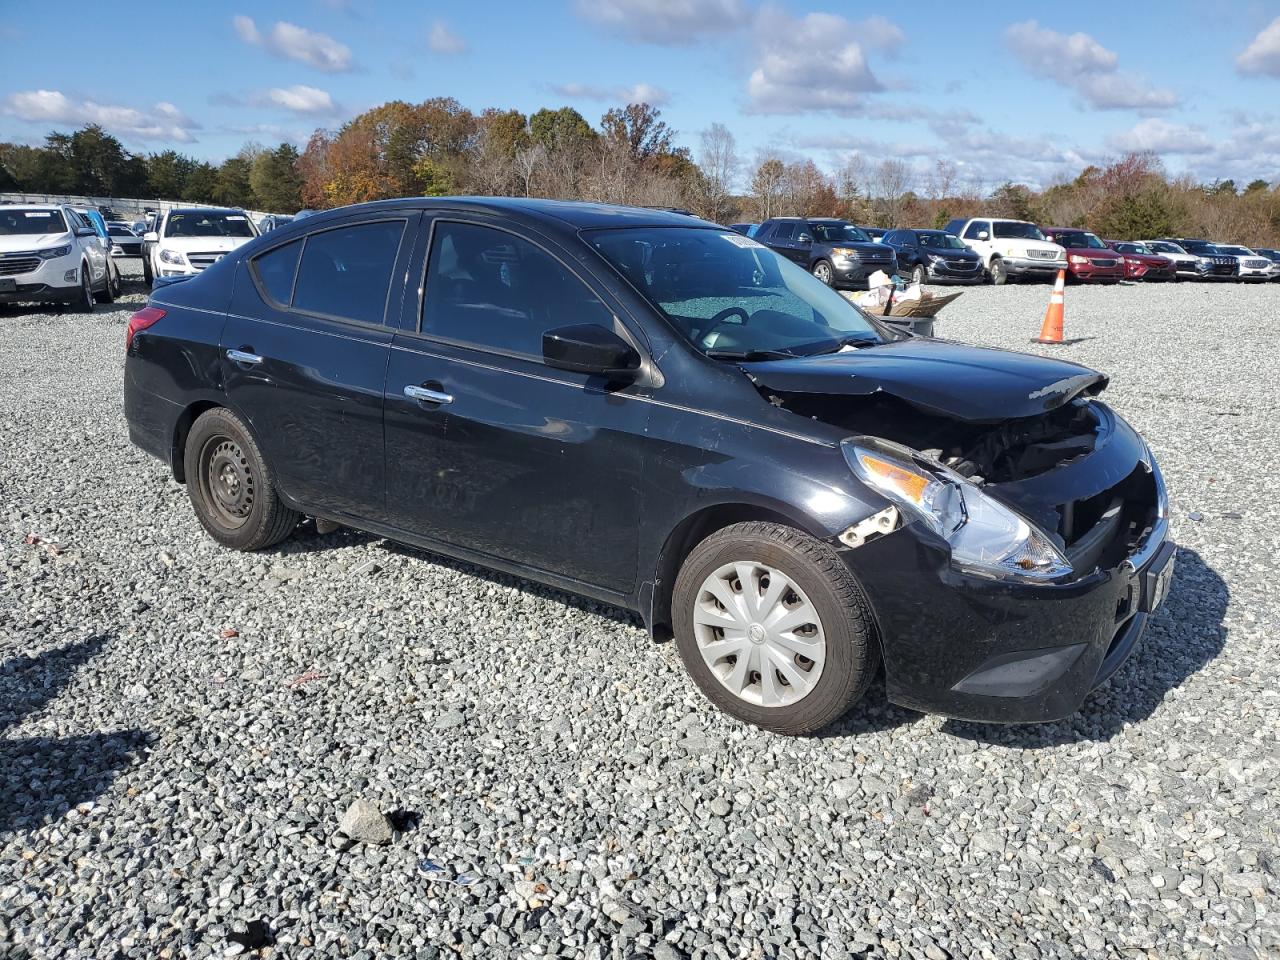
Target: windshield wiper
(860, 341)
(750, 355)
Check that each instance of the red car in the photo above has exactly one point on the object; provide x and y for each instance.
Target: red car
(1141, 264)
(1088, 258)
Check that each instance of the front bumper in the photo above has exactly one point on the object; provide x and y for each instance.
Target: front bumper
(1002, 652)
(1092, 273)
(52, 281)
(854, 273)
(944, 273)
(1029, 267)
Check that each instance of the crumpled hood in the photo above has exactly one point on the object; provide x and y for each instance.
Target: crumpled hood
(952, 379)
(26, 242)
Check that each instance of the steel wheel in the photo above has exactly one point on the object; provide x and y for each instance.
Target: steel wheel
(759, 634)
(226, 481)
(822, 270)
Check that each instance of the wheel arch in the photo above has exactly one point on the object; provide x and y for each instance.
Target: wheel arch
(656, 593)
(182, 429)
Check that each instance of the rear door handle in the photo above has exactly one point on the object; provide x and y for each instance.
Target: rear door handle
(239, 356)
(427, 395)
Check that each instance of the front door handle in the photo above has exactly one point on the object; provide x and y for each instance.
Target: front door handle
(427, 395)
(239, 356)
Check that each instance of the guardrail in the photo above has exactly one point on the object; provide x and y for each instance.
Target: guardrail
(124, 205)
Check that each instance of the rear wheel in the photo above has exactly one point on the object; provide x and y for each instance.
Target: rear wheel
(999, 273)
(230, 485)
(773, 628)
(822, 270)
(110, 286)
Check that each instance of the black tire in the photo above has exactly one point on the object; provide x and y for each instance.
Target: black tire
(999, 272)
(852, 653)
(823, 271)
(148, 277)
(110, 286)
(84, 300)
(239, 507)
(919, 274)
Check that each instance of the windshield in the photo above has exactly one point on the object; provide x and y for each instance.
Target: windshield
(120, 231)
(1132, 248)
(1017, 230)
(21, 223)
(1079, 240)
(940, 241)
(1166, 248)
(836, 232)
(1200, 247)
(1235, 251)
(205, 223)
(729, 295)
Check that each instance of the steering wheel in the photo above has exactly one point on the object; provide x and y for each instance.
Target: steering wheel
(719, 320)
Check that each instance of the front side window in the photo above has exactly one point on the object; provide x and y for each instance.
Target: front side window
(783, 231)
(728, 295)
(207, 223)
(276, 269)
(493, 290)
(937, 240)
(346, 272)
(977, 227)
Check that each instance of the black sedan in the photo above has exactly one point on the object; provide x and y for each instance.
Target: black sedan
(662, 414)
(934, 256)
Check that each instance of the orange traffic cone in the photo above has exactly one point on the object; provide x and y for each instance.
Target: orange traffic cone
(1051, 329)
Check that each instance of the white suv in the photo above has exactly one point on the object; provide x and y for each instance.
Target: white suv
(186, 241)
(50, 254)
(1010, 248)
(1253, 266)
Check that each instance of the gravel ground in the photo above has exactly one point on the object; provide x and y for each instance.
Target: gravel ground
(556, 786)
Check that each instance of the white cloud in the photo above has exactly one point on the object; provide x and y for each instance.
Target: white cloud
(301, 98)
(1160, 136)
(816, 63)
(1263, 53)
(163, 121)
(1078, 62)
(444, 41)
(292, 42)
(664, 22)
(640, 93)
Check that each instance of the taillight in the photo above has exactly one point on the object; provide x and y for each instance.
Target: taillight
(146, 317)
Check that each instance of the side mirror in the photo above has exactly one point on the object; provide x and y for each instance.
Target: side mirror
(983, 235)
(804, 238)
(85, 232)
(588, 348)
(151, 237)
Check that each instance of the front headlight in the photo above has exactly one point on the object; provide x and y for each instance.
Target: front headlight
(1076, 258)
(986, 537)
(843, 252)
(170, 256)
(53, 253)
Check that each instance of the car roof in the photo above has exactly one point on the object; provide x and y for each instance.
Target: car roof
(577, 214)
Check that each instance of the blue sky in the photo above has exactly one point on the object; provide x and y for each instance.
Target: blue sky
(999, 94)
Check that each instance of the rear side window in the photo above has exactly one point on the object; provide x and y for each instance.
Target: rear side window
(493, 290)
(346, 272)
(275, 270)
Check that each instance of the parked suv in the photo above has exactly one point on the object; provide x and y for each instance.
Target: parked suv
(1010, 249)
(835, 251)
(50, 254)
(934, 256)
(664, 415)
(1089, 260)
(187, 241)
(1213, 263)
(1274, 257)
(1253, 266)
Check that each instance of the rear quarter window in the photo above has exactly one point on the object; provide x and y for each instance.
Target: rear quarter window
(275, 271)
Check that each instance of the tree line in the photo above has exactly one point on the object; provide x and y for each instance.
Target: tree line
(438, 147)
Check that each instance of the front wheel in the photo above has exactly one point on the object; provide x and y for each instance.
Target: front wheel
(822, 270)
(918, 274)
(230, 485)
(148, 276)
(773, 628)
(84, 300)
(999, 273)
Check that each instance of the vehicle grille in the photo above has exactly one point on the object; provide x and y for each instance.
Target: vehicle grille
(15, 264)
(1042, 254)
(1104, 263)
(202, 260)
(1100, 530)
(963, 264)
(874, 257)
(1257, 264)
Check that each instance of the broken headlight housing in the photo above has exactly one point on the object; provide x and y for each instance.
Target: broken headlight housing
(986, 537)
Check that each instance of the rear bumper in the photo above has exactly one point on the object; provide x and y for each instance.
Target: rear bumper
(152, 419)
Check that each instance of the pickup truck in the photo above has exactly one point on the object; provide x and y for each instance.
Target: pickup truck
(1010, 249)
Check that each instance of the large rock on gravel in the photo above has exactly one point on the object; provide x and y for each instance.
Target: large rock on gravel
(365, 823)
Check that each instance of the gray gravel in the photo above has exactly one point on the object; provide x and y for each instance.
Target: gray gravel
(182, 728)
